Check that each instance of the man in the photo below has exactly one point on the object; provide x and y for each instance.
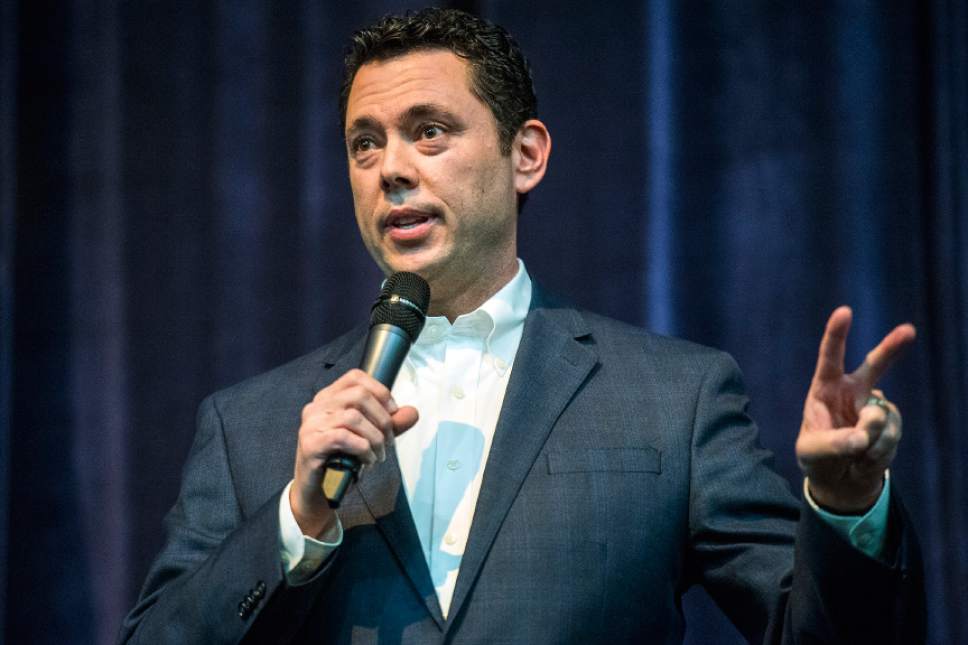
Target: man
(538, 474)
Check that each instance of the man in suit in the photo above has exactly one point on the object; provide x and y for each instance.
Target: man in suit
(538, 474)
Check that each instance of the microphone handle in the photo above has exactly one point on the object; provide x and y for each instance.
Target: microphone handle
(386, 348)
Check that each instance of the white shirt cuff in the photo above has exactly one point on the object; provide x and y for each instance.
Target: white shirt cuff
(865, 532)
(303, 555)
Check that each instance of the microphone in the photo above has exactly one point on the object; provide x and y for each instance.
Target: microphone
(396, 319)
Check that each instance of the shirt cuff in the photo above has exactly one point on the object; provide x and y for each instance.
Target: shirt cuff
(302, 555)
(866, 532)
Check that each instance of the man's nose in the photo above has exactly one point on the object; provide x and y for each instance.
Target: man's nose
(397, 170)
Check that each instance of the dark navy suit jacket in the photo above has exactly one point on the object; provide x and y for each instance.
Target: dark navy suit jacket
(624, 469)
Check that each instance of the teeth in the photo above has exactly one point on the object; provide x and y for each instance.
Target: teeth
(409, 222)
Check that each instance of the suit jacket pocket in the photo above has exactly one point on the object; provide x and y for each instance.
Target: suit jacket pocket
(630, 460)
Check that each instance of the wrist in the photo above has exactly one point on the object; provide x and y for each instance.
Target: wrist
(845, 500)
(313, 519)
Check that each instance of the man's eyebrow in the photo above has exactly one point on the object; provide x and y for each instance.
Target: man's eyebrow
(429, 111)
(413, 113)
(362, 123)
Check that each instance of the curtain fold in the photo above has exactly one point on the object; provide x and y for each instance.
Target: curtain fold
(9, 59)
(176, 218)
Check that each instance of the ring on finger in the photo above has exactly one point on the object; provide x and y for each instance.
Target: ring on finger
(879, 402)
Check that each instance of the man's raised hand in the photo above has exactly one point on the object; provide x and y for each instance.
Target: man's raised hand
(849, 433)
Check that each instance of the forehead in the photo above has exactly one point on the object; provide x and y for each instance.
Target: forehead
(421, 77)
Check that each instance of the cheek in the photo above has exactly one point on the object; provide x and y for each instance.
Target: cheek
(468, 182)
(356, 187)
(362, 200)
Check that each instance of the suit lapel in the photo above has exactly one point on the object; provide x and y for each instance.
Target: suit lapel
(549, 368)
(381, 490)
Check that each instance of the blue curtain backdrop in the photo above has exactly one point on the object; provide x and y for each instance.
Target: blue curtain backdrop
(176, 217)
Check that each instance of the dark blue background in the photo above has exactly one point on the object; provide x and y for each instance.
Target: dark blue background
(176, 217)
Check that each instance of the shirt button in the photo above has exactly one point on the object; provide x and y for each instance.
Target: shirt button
(864, 539)
(450, 539)
(453, 464)
(457, 392)
(500, 363)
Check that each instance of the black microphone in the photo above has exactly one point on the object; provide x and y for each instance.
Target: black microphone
(396, 319)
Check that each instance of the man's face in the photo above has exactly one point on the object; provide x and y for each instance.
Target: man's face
(432, 191)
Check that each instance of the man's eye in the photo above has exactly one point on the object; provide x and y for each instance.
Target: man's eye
(431, 131)
(362, 144)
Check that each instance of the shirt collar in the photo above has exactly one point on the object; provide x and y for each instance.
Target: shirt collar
(499, 320)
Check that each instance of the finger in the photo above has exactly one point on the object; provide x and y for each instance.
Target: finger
(316, 449)
(865, 400)
(363, 400)
(883, 447)
(404, 419)
(830, 361)
(380, 391)
(872, 419)
(882, 451)
(880, 358)
(352, 419)
(323, 429)
(819, 445)
(347, 442)
(359, 378)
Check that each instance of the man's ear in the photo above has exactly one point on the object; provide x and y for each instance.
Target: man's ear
(530, 152)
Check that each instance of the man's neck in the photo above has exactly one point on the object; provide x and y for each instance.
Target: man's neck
(465, 298)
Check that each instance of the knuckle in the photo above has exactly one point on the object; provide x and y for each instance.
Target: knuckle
(341, 440)
(387, 427)
(381, 392)
(352, 417)
(307, 411)
(378, 442)
(357, 445)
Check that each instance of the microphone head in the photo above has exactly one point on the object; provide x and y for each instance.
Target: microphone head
(402, 303)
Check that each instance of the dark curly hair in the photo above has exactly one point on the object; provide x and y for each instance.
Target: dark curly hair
(499, 72)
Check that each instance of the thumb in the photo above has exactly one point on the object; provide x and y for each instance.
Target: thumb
(818, 445)
(404, 419)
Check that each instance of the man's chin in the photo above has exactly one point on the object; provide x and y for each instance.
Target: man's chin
(423, 265)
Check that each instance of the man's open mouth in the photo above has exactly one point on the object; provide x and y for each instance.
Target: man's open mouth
(406, 219)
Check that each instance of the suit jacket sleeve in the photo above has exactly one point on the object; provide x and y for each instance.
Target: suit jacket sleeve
(741, 525)
(215, 558)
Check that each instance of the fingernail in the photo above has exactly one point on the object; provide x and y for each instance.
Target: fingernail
(856, 441)
(392, 406)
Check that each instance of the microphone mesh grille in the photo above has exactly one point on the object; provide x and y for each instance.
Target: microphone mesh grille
(389, 310)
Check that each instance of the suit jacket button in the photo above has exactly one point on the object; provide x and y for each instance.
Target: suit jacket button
(260, 587)
(243, 611)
